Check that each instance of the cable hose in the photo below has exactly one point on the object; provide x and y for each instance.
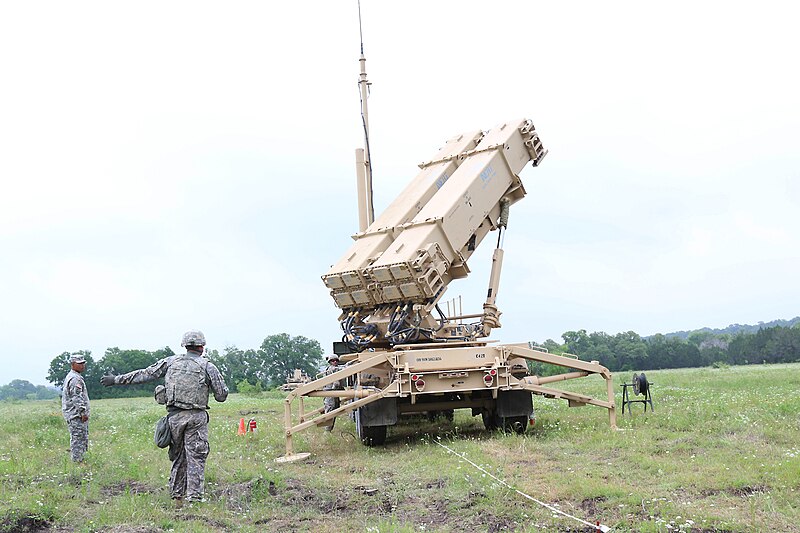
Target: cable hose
(597, 526)
(503, 221)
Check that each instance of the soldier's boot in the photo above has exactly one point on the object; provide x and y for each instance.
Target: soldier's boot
(195, 502)
(178, 503)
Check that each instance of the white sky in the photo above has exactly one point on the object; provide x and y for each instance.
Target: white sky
(175, 165)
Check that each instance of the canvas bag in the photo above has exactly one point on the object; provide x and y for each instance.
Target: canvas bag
(163, 436)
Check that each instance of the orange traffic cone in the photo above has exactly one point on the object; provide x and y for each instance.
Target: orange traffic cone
(241, 427)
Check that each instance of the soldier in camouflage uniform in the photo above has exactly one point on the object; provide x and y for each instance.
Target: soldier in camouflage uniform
(187, 379)
(331, 402)
(75, 408)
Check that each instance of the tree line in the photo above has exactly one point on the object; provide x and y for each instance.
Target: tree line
(244, 370)
(268, 366)
(629, 352)
(20, 389)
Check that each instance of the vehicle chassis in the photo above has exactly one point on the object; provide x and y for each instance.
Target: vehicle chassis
(492, 380)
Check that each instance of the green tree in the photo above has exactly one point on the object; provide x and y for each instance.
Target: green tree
(237, 366)
(114, 361)
(552, 346)
(576, 342)
(60, 367)
(118, 361)
(700, 337)
(280, 354)
(46, 393)
(602, 347)
(20, 389)
(630, 351)
(673, 352)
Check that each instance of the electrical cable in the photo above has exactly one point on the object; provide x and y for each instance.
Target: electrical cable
(597, 526)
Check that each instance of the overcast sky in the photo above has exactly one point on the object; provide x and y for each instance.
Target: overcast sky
(176, 165)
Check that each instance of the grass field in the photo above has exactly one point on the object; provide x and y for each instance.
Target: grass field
(721, 452)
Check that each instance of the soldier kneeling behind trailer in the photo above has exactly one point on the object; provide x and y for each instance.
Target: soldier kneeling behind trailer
(332, 402)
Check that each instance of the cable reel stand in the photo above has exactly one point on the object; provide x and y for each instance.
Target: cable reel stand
(640, 386)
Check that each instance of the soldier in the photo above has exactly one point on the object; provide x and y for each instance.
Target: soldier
(331, 402)
(188, 379)
(75, 408)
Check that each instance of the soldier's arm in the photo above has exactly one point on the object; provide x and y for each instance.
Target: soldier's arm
(152, 372)
(81, 400)
(75, 391)
(218, 386)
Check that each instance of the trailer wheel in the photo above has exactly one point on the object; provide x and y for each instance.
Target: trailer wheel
(490, 420)
(447, 414)
(369, 435)
(518, 424)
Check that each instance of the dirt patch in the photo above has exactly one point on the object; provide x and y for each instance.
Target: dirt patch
(284, 524)
(589, 505)
(426, 508)
(299, 494)
(242, 496)
(421, 510)
(74, 479)
(436, 484)
(129, 486)
(339, 504)
(222, 526)
(490, 523)
(14, 481)
(239, 496)
(131, 529)
(21, 522)
(744, 492)
(386, 506)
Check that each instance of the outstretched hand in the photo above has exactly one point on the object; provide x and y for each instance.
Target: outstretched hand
(108, 380)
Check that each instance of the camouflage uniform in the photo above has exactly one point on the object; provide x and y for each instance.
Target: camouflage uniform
(188, 420)
(74, 405)
(332, 402)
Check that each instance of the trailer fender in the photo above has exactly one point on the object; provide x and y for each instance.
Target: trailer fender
(514, 403)
(382, 412)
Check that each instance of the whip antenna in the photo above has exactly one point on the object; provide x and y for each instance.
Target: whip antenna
(366, 209)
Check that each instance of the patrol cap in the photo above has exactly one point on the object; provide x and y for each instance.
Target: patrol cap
(76, 358)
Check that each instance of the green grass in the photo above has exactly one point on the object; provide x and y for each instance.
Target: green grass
(720, 453)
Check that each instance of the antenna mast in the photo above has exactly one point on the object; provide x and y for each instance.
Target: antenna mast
(366, 210)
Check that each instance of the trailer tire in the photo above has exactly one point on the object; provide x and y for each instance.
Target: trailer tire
(490, 420)
(369, 435)
(517, 424)
(447, 414)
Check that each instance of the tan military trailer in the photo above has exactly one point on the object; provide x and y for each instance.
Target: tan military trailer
(294, 380)
(402, 352)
